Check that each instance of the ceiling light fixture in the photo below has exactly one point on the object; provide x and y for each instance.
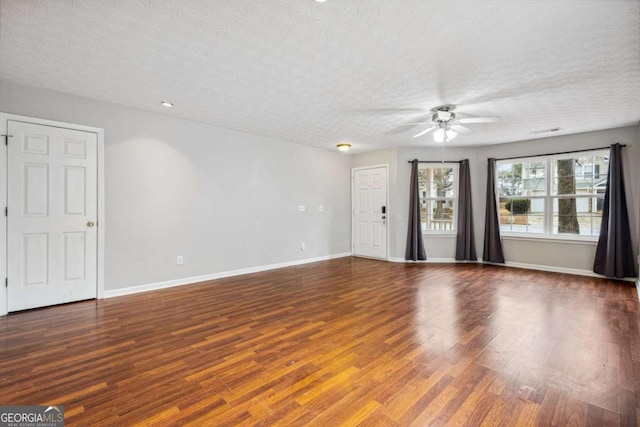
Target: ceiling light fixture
(320, 1)
(439, 134)
(446, 125)
(166, 104)
(343, 147)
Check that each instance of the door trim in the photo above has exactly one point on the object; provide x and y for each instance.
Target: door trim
(353, 216)
(4, 118)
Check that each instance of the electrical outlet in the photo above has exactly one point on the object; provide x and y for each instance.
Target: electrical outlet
(302, 208)
(302, 246)
(179, 260)
(320, 208)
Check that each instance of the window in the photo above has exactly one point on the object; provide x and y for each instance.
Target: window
(554, 195)
(522, 188)
(438, 188)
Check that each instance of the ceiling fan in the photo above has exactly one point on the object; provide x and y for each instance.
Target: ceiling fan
(447, 126)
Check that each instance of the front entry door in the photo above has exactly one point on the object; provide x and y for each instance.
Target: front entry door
(52, 211)
(370, 212)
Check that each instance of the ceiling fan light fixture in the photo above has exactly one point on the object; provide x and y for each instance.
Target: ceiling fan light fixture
(444, 115)
(446, 124)
(343, 147)
(438, 136)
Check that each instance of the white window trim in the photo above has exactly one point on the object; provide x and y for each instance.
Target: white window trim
(590, 240)
(548, 198)
(456, 184)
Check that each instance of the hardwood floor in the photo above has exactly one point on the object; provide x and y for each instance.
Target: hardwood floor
(343, 342)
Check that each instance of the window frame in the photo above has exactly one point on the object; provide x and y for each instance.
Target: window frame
(456, 185)
(544, 198)
(549, 197)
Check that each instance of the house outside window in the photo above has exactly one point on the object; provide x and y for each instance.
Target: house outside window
(438, 187)
(557, 196)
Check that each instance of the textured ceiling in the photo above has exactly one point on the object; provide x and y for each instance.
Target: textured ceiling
(319, 74)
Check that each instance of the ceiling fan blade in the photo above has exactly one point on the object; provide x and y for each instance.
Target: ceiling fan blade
(461, 129)
(400, 130)
(388, 111)
(416, 124)
(409, 124)
(492, 119)
(424, 132)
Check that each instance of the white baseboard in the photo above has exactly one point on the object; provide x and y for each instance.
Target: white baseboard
(195, 279)
(428, 261)
(554, 269)
(550, 268)
(638, 288)
(538, 267)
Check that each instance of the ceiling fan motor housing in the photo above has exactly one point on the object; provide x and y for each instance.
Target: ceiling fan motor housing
(443, 116)
(443, 119)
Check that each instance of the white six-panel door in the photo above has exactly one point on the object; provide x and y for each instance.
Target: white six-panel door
(369, 220)
(52, 214)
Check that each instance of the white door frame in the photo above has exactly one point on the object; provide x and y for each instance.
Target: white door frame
(100, 220)
(353, 217)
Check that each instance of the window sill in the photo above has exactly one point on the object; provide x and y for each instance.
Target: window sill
(439, 234)
(587, 240)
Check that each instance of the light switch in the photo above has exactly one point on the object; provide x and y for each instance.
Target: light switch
(320, 208)
(302, 208)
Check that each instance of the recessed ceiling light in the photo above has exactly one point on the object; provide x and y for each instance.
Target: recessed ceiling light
(167, 104)
(343, 147)
(320, 1)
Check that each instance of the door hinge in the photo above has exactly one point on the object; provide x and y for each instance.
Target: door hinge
(6, 211)
(6, 282)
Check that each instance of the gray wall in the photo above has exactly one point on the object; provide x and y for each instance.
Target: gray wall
(225, 200)
(574, 255)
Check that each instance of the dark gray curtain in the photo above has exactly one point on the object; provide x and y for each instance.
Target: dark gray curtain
(492, 243)
(614, 255)
(465, 242)
(415, 245)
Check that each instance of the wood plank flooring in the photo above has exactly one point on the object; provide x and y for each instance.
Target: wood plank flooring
(344, 342)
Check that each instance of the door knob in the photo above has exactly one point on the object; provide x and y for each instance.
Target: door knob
(90, 224)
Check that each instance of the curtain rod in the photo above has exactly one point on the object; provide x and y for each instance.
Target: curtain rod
(436, 161)
(556, 154)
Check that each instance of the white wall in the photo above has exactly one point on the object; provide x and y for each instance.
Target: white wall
(553, 254)
(223, 199)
